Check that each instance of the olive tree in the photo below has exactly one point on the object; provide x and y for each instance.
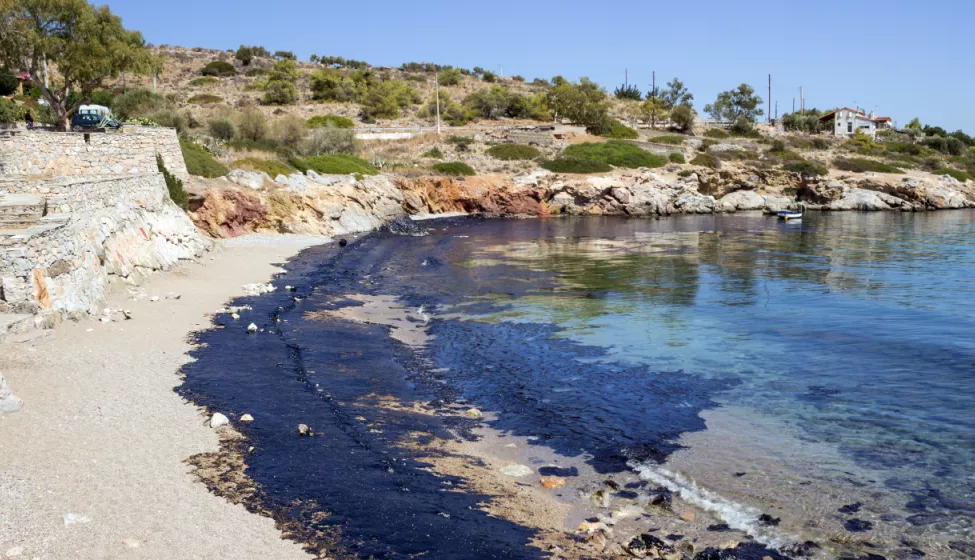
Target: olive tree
(86, 44)
(737, 104)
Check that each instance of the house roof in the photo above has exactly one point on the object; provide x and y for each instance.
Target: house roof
(858, 114)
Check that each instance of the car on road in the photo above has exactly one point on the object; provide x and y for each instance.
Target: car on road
(86, 122)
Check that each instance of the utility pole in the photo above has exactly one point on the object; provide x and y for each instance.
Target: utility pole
(653, 97)
(793, 104)
(626, 78)
(769, 98)
(776, 110)
(802, 102)
(436, 81)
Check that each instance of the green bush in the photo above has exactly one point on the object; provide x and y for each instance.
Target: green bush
(335, 164)
(707, 160)
(219, 68)
(434, 153)
(177, 193)
(281, 87)
(683, 117)
(617, 153)
(222, 129)
(204, 99)
(820, 144)
(138, 102)
(490, 77)
(676, 157)
(669, 140)
(744, 128)
(252, 124)
(8, 82)
(199, 162)
(170, 118)
(454, 168)
(204, 81)
(513, 152)
(906, 149)
(716, 133)
(262, 145)
(272, 167)
(449, 77)
(329, 140)
(806, 168)
(460, 140)
(620, 131)
(861, 165)
(388, 99)
(686, 173)
(959, 175)
(10, 112)
(334, 121)
(576, 165)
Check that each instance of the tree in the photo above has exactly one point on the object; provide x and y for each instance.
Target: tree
(285, 55)
(244, 54)
(683, 117)
(583, 103)
(676, 94)
(653, 109)
(87, 45)
(628, 92)
(449, 77)
(280, 88)
(735, 104)
(8, 82)
(915, 124)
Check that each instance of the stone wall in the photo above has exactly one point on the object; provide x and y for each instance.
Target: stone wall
(132, 151)
(98, 229)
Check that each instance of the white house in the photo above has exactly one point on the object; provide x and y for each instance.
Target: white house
(845, 121)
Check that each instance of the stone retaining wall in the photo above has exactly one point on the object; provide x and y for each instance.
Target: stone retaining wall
(131, 151)
(109, 228)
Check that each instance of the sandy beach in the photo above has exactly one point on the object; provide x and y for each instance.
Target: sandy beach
(93, 466)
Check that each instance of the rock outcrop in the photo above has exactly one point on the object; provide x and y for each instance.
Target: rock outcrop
(8, 401)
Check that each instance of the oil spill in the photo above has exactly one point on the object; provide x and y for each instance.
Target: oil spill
(376, 497)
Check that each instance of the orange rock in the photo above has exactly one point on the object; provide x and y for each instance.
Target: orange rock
(552, 482)
(688, 516)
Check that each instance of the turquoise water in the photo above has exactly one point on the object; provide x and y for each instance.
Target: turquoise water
(850, 338)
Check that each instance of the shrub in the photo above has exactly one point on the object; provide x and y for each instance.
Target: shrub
(222, 129)
(281, 87)
(434, 153)
(219, 68)
(620, 131)
(820, 144)
(8, 82)
(861, 165)
(177, 193)
(333, 121)
(449, 77)
(252, 124)
(204, 99)
(170, 118)
(10, 112)
(204, 81)
(139, 102)
(686, 173)
(460, 140)
(451, 112)
(272, 167)
(576, 165)
(676, 157)
(743, 128)
(707, 160)
(628, 92)
(513, 152)
(955, 146)
(199, 161)
(454, 168)
(289, 131)
(335, 164)
(490, 77)
(716, 133)
(498, 101)
(518, 78)
(959, 175)
(806, 168)
(683, 117)
(330, 140)
(285, 55)
(669, 140)
(388, 99)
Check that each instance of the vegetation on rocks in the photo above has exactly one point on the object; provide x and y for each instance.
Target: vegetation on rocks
(10, 112)
(204, 81)
(670, 140)
(716, 133)
(574, 165)
(272, 167)
(281, 87)
(204, 99)
(598, 158)
(676, 157)
(219, 68)
(619, 131)
(334, 164)
(513, 152)
(707, 160)
(861, 165)
(806, 168)
(177, 193)
(221, 129)
(199, 162)
(454, 168)
(8, 82)
(955, 173)
(434, 153)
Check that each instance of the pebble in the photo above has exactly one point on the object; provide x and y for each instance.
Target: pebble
(218, 420)
(473, 414)
(688, 516)
(516, 470)
(247, 418)
(552, 482)
(234, 316)
(131, 543)
(154, 298)
(15, 551)
(72, 518)
(252, 328)
(304, 430)
(173, 295)
(106, 319)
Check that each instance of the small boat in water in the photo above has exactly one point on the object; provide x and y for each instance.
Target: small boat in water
(787, 215)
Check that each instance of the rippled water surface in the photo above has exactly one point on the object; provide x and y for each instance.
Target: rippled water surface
(750, 364)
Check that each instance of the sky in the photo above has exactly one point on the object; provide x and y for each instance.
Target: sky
(900, 58)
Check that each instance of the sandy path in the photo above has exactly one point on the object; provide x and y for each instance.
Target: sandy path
(103, 435)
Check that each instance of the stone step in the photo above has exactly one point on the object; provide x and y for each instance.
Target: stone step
(22, 328)
(12, 324)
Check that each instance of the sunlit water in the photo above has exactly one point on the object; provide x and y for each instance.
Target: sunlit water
(850, 338)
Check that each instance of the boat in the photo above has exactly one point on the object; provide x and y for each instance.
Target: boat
(787, 215)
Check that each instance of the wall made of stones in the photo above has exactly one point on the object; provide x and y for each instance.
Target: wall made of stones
(114, 229)
(132, 151)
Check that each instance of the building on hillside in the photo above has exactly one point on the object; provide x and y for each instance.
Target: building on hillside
(845, 121)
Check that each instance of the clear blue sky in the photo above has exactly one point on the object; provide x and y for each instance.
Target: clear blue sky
(902, 58)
